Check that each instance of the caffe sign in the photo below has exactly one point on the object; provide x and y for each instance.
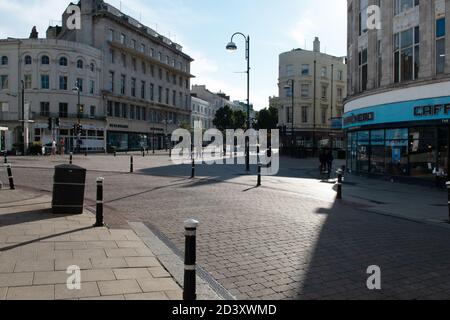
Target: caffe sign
(432, 111)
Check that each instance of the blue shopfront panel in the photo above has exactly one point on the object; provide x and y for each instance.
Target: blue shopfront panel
(408, 111)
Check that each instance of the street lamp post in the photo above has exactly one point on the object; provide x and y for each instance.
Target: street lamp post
(231, 46)
(23, 118)
(291, 86)
(77, 89)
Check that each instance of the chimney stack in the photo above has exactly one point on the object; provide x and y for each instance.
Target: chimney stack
(316, 45)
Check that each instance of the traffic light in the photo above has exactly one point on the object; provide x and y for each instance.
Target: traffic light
(57, 122)
(50, 123)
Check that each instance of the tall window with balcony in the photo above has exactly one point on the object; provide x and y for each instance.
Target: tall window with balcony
(133, 87)
(305, 114)
(305, 90)
(63, 110)
(111, 81)
(45, 81)
(305, 70)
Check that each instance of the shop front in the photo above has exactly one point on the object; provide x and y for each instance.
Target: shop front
(406, 140)
(120, 139)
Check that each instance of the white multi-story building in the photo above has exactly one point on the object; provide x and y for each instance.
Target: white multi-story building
(50, 70)
(311, 114)
(202, 112)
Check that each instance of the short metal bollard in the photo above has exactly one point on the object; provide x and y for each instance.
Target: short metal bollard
(448, 188)
(71, 158)
(131, 164)
(115, 153)
(6, 158)
(10, 176)
(190, 263)
(193, 168)
(99, 208)
(259, 174)
(339, 183)
(143, 153)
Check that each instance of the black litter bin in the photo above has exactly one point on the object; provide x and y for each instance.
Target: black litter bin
(68, 189)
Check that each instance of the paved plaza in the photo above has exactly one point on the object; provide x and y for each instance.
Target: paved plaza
(289, 239)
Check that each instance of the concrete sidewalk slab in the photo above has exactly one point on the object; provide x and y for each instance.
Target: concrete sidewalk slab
(37, 247)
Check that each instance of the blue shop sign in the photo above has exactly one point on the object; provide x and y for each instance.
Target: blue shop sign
(407, 111)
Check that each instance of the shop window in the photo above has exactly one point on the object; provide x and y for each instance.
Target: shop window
(363, 144)
(377, 152)
(397, 152)
(422, 152)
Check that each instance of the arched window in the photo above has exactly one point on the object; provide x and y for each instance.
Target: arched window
(80, 64)
(92, 67)
(63, 61)
(28, 60)
(45, 60)
(4, 60)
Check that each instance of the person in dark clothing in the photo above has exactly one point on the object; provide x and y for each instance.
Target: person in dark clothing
(322, 161)
(329, 160)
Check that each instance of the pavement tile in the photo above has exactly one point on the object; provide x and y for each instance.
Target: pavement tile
(132, 273)
(89, 253)
(121, 252)
(71, 245)
(34, 265)
(131, 244)
(159, 272)
(97, 275)
(107, 298)
(88, 289)
(147, 296)
(142, 262)
(31, 293)
(63, 264)
(160, 284)
(118, 287)
(176, 295)
(109, 263)
(101, 244)
(6, 265)
(52, 277)
(16, 279)
(3, 292)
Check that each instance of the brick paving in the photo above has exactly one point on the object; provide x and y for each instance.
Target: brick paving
(270, 242)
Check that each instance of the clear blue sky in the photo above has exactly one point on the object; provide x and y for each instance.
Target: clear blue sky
(204, 27)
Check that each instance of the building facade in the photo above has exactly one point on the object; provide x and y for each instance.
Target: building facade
(134, 80)
(201, 112)
(398, 111)
(219, 100)
(312, 88)
(49, 70)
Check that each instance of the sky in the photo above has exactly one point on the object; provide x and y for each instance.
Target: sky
(204, 27)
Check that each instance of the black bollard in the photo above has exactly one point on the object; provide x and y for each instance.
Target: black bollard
(10, 177)
(99, 209)
(193, 168)
(190, 264)
(259, 174)
(71, 158)
(339, 184)
(448, 188)
(143, 153)
(6, 158)
(131, 165)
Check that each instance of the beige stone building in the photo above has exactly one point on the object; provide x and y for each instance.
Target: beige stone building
(133, 79)
(398, 110)
(319, 88)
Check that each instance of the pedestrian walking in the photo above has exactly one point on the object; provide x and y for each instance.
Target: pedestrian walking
(53, 147)
(322, 161)
(329, 160)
